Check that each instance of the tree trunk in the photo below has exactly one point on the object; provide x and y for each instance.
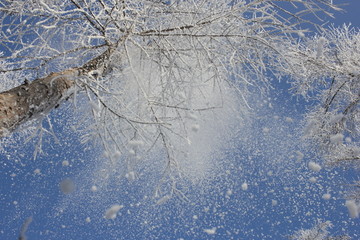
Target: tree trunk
(31, 99)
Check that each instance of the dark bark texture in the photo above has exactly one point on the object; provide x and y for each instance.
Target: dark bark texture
(31, 99)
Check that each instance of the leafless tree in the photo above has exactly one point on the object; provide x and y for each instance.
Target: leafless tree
(326, 69)
(149, 69)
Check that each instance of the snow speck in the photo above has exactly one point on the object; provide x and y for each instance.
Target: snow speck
(299, 156)
(301, 34)
(326, 196)
(313, 179)
(210, 231)
(274, 202)
(65, 163)
(352, 208)
(112, 211)
(94, 188)
(289, 119)
(88, 219)
(265, 130)
(244, 186)
(130, 176)
(314, 166)
(37, 171)
(67, 186)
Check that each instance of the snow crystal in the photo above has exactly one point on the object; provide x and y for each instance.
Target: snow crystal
(352, 208)
(266, 130)
(299, 156)
(229, 192)
(244, 186)
(314, 166)
(289, 119)
(65, 163)
(326, 196)
(337, 138)
(313, 179)
(211, 231)
(130, 175)
(112, 211)
(88, 219)
(67, 186)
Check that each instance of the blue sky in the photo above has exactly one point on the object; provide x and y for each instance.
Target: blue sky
(266, 154)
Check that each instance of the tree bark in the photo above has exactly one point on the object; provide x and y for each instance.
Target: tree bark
(31, 99)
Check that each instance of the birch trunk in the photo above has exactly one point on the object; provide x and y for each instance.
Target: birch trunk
(31, 99)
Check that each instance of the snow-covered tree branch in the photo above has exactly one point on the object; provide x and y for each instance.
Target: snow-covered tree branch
(150, 69)
(326, 69)
(318, 232)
